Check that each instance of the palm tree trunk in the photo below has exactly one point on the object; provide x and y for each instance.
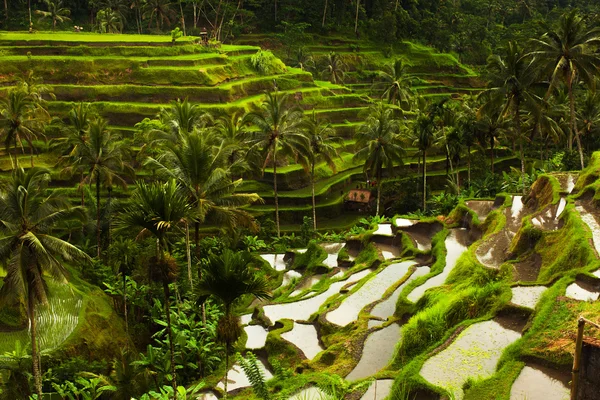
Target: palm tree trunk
(227, 349)
(517, 118)
(356, 18)
(573, 130)
(424, 180)
(188, 253)
(125, 304)
(492, 153)
(182, 18)
(378, 191)
(37, 374)
(6, 14)
(314, 206)
(324, 13)
(98, 230)
(29, 8)
(275, 191)
(469, 165)
(170, 333)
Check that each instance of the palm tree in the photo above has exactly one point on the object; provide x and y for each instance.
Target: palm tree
(108, 21)
(424, 136)
(490, 125)
(229, 277)
(335, 68)
(99, 158)
(29, 249)
(181, 119)
(321, 145)
(396, 82)
(123, 258)
(232, 131)
(199, 169)
(279, 130)
(568, 54)
(157, 209)
(158, 11)
(378, 143)
(588, 116)
(56, 12)
(512, 80)
(21, 120)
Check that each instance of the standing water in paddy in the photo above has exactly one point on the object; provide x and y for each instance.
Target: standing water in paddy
(456, 244)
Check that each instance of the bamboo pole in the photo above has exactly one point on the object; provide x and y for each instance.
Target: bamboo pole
(577, 358)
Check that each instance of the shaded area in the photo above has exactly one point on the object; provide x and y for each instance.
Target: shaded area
(481, 208)
(378, 351)
(528, 269)
(536, 382)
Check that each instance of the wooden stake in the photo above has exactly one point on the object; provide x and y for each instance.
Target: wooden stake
(577, 359)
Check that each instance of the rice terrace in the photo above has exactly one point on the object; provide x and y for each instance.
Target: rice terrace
(319, 200)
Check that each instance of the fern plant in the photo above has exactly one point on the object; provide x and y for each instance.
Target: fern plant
(255, 375)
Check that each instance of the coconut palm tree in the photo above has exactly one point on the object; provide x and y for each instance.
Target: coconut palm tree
(424, 136)
(588, 117)
(490, 125)
(158, 209)
(181, 118)
(513, 79)
(200, 169)
(21, 120)
(396, 83)
(158, 11)
(231, 130)
(322, 145)
(29, 248)
(335, 68)
(228, 278)
(100, 158)
(56, 12)
(378, 144)
(279, 131)
(568, 54)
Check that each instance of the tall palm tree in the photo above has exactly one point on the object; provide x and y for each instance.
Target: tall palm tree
(229, 277)
(378, 143)
(335, 68)
(99, 158)
(490, 125)
(588, 116)
(200, 169)
(20, 120)
(180, 119)
(513, 79)
(279, 131)
(158, 11)
(56, 12)
(568, 54)
(396, 83)
(234, 135)
(158, 209)
(322, 144)
(29, 249)
(424, 136)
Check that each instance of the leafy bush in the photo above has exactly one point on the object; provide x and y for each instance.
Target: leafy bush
(266, 63)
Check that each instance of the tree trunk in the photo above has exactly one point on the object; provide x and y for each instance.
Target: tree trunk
(324, 13)
(188, 253)
(424, 180)
(29, 8)
(314, 205)
(517, 119)
(469, 165)
(573, 130)
(492, 153)
(227, 349)
(356, 18)
(37, 374)
(378, 191)
(182, 18)
(125, 304)
(275, 191)
(6, 14)
(170, 333)
(98, 230)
